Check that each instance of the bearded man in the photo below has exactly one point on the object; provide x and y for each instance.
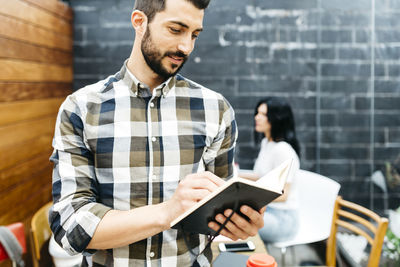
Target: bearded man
(134, 151)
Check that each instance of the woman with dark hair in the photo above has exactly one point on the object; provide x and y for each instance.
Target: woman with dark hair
(274, 124)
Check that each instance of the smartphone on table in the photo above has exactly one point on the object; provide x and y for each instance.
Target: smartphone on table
(237, 246)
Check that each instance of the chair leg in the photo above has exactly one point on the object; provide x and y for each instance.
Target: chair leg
(292, 248)
(283, 255)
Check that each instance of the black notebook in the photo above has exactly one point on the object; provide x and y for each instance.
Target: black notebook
(254, 194)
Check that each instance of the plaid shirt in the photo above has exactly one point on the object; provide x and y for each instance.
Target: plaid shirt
(118, 146)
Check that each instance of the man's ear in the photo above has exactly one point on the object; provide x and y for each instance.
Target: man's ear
(139, 22)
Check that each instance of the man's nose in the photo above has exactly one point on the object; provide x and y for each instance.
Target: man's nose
(186, 45)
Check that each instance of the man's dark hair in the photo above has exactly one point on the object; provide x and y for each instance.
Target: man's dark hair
(151, 7)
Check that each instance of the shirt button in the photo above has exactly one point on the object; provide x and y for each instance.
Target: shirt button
(153, 139)
(152, 254)
(151, 104)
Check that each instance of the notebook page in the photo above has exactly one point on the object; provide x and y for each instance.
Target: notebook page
(275, 179)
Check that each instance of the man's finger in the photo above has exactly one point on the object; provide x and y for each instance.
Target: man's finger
(215, 226)
(254, 216)
(215, 179)
(263, 209)
(205, 176)
(203, 183)
(197, 194)
(249, 228)
(232, 227)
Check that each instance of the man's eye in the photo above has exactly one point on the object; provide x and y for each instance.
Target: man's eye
(194, 36)
(174, 30)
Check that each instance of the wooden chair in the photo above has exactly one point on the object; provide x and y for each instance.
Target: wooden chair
(40, 232)
(346, 212)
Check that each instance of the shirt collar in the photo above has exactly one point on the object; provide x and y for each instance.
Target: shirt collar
(136, 86)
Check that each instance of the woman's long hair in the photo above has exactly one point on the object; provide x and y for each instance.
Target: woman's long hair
(280, 116)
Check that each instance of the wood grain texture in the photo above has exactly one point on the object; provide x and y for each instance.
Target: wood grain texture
(16, 91)
(17, 70)
(24, 171)
(28, 110)
(18, 30)
(18, 133)
(19, 192)
(36, 15)
(21, 211)
(36, 74)
(24, 150)
(20, 50)
(58, 8)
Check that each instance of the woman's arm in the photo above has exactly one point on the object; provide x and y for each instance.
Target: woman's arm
(249, 175)
(285, 195)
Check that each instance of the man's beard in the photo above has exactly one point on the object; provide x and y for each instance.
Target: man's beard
(154, 57)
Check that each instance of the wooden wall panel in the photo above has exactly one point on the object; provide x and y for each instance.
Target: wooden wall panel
(17, 91)
(26, 170)
(25, 51)
(14, 134)
(58, 8)
(25, 150)
(36, 75)
(35, 15)
(28, 110)
(16, 70)
(22, 211)
(19, 192)
(19, 30)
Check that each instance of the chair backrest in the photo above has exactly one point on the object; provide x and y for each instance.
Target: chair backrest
(316, 195)
(40, 231)
(373, 229)
(316, 198)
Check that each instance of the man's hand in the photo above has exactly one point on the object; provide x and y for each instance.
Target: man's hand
(120, 228)
(238, 227)
(191, 190)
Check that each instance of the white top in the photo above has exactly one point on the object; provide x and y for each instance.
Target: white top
(271, 155)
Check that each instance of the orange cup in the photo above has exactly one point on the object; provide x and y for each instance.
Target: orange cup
(261, 260)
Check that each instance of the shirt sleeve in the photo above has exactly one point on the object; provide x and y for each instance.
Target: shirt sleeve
(219, 156)
(76, 212)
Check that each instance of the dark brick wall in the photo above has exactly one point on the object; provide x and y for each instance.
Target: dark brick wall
(316, 54)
